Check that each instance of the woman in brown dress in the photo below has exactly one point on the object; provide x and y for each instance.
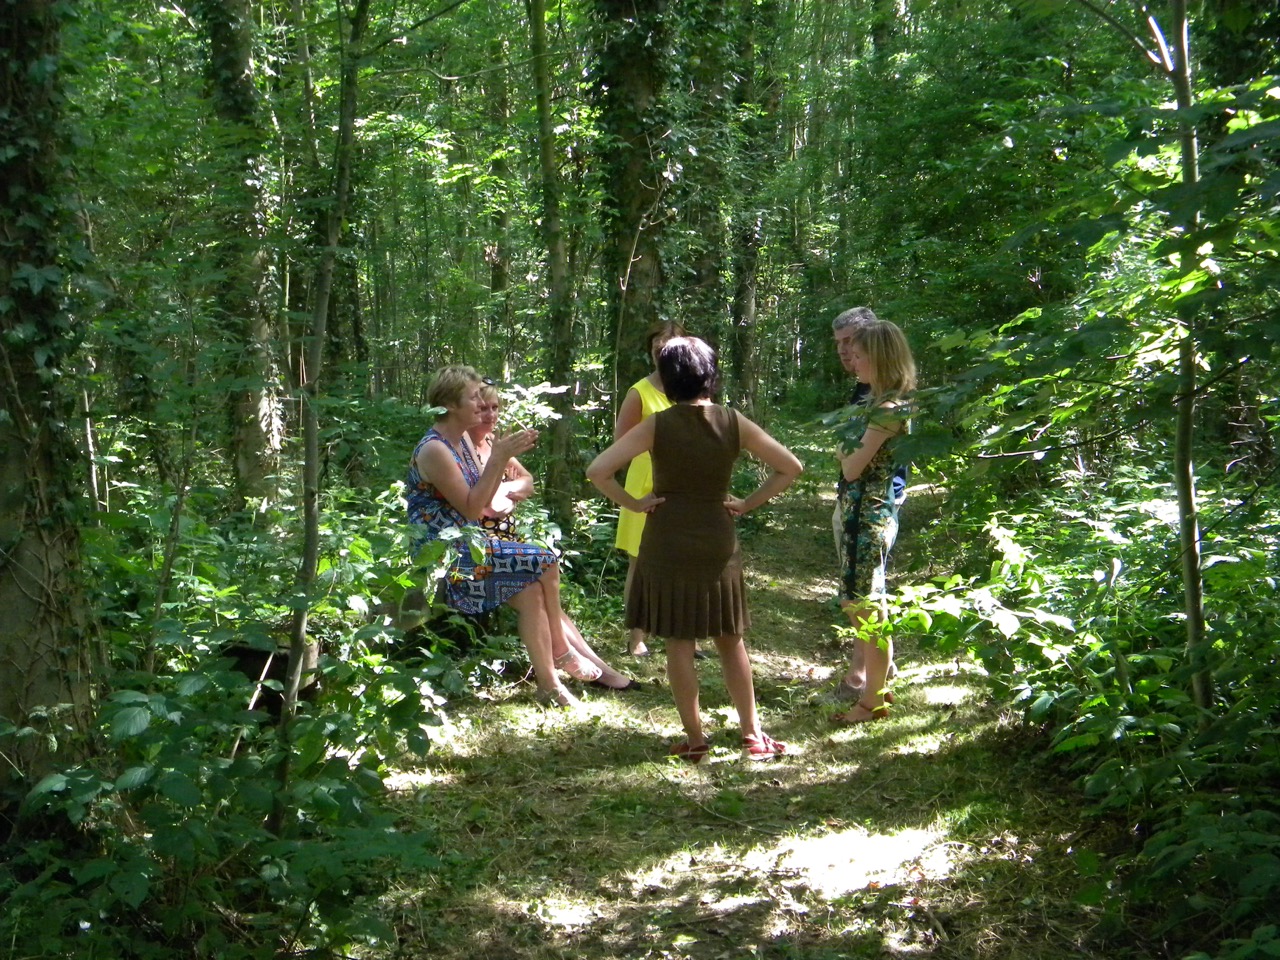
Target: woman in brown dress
(688, 580)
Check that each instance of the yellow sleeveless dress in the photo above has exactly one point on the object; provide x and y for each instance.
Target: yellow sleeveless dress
(640, 473)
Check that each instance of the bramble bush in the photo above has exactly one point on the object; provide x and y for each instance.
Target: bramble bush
(1076, 616)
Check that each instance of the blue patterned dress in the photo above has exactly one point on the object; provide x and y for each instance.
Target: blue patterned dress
(869, 508)
(507, 567)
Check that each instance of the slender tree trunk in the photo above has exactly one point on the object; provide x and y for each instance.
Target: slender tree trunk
(1188, 363)
(45, 634)
(558, 488)
(742, 347)
(704, 182)
(758, 94)
(1174, 61)
(498, 250)
(303, 653)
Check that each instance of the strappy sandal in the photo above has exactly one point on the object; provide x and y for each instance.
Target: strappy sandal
(763, 747)
(848, 719)
(847, 693)
(689, 754)
(578, 666)
(559, 699)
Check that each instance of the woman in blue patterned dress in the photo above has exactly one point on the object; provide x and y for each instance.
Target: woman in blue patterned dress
(882, 360)
(578, 659)
(448, 490)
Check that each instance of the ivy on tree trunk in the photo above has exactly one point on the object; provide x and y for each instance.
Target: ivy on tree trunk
(46, 636)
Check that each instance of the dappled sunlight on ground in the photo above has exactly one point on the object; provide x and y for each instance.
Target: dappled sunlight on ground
(837, 863)
(945, 694)
(572, 834)
(406, 781)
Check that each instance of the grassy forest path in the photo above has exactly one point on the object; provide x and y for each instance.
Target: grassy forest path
(570, 834)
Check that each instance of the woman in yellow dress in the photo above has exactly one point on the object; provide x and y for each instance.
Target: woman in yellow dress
(643, 400)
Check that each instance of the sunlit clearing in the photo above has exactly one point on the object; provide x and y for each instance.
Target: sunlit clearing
(832, 864)
(922, 745)
(561, 913)
(415, 780)
(835, 864)
(946, 695)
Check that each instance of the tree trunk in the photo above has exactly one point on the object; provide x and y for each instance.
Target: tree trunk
(631, 54)
(45, 634)
(743, 345)
(244, 304)
(1188, 363)
(303, 654)
(498, 250)
(757, 95)
(704, 182)
(558, 487)
(1175, 63)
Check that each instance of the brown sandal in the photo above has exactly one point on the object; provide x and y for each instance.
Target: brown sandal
(848, 719)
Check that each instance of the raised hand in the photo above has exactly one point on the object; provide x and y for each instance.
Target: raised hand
(513, 444)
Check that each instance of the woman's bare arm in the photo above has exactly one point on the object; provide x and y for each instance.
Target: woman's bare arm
(437, 466)
(785, 465)
(629, 414)
(617, 455)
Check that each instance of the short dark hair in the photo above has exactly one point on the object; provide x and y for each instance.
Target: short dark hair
(853, 317)
(688, 369)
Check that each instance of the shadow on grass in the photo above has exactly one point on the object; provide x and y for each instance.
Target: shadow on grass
(579, 842)
(572, 835)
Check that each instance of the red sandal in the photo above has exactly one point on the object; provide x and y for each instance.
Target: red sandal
(763, 747)
(689, 754)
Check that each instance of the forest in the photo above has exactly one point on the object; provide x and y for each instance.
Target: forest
(238, 236)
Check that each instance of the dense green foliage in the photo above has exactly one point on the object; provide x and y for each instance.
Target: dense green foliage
(1006, 179)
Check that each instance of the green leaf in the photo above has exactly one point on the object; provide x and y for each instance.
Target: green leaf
(179, 788)
(135, 777)
(53, 783)
(131, 887)
(129, 722)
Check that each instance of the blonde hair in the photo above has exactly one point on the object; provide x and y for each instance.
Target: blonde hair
(448, 384)
(489, 393)
(887, 349)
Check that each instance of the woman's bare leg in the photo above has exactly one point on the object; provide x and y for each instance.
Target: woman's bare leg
(682, 674)
(574, 638)
(563, 653)
(736, 665)
(878, 655)
(535, 633)
(871, 664)
(636, 638)
(858, 614)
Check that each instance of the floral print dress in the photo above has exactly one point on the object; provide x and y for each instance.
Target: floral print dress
(869, 510)
(472, 585)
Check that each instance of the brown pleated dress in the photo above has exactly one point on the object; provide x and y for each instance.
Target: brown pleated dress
(688, 579)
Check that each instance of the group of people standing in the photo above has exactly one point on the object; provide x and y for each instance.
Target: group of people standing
(677, 524)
